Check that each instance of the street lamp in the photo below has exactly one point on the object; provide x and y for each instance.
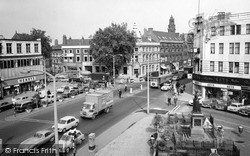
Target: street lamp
(55, 108)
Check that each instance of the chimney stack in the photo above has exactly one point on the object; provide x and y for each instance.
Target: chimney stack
(56, 42)
(64, 39)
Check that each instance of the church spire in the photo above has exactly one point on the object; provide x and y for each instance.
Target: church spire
(171, 25)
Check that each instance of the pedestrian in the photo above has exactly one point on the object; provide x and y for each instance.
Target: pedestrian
(48, 92)
(14, 109)
(175, 100)
(184, 87)
(120, 93)
(126, 87)
(13, 100)
(169, 101)
(74, 150)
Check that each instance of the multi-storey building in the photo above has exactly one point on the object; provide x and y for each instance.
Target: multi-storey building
(16, 56)
(223, 56)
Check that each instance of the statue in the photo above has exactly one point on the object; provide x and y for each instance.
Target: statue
(196, 104)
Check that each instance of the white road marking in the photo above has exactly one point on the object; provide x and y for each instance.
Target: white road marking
(37, 121)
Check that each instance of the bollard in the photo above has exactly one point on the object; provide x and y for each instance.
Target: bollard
(1, 145)
(131, 90)
(92, 146)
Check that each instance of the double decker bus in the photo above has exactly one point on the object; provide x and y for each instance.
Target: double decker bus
(157, 82)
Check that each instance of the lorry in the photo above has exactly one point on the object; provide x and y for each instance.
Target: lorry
(97, 102)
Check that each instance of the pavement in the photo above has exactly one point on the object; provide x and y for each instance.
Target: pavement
(130, 135)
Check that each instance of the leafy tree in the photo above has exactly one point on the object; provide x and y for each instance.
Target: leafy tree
(45, 41)
(116, 41)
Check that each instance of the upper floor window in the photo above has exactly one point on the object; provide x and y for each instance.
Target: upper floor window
(248, 29)
(222, 30)
(36, 48)
(136, 49)
(27, 48)
(78, 59)
(0, 48)
(231, 67)
(78, 51)
(19, 48)
(213, 31)
(238, 29)
(85, 58)
(70, 59)
(212, 48)
(70, 51)
(246, 68)
(90, 58)
(65, 59)
(221, 48)
(211, 66)
(9, 48)
(235, 29)
(231, 48)
(247, 48)
(236, 67)
(237, 48)
(220, 67)
(232, 30)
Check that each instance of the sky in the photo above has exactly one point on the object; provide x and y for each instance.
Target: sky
(82, 18)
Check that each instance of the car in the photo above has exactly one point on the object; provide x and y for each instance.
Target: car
(50, 99)
(190, 102)
(39, 138)
(62, 89)
(244, 111)
(207, 104)
(67, 123)
(67, 139)
(69, 93)
(25, 105)
(5, 105)
(235, 107)
(219, 104)
(175, 78)
(166, 87)
(21, 98)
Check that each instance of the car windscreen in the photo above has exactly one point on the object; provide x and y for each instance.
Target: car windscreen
(86, 106)
(65, 137)
(62, 121)
(38, 135)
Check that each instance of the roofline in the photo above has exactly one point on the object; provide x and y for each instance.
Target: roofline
(20, 40)
(76, 46)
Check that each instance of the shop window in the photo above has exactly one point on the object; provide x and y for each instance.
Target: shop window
(237, 48)
(231, 67)
(220, 67)
(247, 48)
(221, 48)
(212, 48)
(246, 68)
(231, 48)
(211, 66)
(236, 67)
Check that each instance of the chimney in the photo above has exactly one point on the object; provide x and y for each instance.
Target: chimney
(82, 40)
(64, 39)
(56, 42)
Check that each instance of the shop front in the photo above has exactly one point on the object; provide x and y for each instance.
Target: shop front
(16, 86)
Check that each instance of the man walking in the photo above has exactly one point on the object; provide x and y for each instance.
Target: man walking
(125, 88)
(175, 100)
(14, 109)
(120, 93)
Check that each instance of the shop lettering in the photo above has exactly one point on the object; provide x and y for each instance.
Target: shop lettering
(28, 79)
(210, 85)
(230, 87)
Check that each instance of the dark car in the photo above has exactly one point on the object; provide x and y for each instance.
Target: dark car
(5, 105)
(244, 111)
(69, 93)
(25, 105)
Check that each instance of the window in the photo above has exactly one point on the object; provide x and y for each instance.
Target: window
(220, 67)
(211, 66)
(248, 29)
(85, 58)
(70, 51)
(136, 49)
(221, 48)
(212, 48)
(65, 59)
(246, 68)
(238, 29)
(231, 48)
(213, 31)
(36, 48)
(231, 67)
(232, 29)
(9, 48)
(19, 48)
(70, 59)
(0, 48)
(247, 48)
(78, 51)
(237, 48)
(90, 58)
(236, 67)
(28, 48)
(222, 30)
(78, 59)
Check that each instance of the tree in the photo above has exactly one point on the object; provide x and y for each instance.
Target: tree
(114, 40)
(45, 41)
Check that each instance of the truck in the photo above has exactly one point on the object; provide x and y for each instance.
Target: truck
(96, 103)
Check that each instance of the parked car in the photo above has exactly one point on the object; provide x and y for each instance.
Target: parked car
(244, 111)
(50, 99)
(25, 105)
(21, 98)
(235, 107)
(190, 102)
(62, 89)
(67, 123)
(219, 104)
(207, 104)
(66, 141)
(5, 105)
(69, 93)
(166, 87)
(38, 139)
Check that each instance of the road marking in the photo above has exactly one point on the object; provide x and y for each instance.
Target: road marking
(37, 121)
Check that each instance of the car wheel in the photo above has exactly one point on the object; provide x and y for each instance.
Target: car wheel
(107, 110)
(52, 139)
(93, 117)
(76, 124)
(64, 130)
(67, 150)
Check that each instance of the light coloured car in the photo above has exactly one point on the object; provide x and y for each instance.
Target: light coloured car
(235, 107)
(66, 141)
(62, 89)
(190, 102)
(50, 99)
(166, 87)
(67, 123)
(38, 139)
(21, 98)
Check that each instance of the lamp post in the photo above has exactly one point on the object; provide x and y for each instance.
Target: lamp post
(45, 79)
(1, 88)
(148, 88)
(55, 108)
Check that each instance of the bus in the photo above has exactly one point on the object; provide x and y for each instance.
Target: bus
(157, 82)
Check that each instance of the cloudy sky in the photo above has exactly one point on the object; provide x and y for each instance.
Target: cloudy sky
(77, 18)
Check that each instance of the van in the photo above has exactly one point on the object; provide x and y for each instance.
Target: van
(25, 105)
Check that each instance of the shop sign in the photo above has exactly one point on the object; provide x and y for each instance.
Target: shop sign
(245, 88)
(27, 79)
(218, 85)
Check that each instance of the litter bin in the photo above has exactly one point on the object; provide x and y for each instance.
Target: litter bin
(92, 145)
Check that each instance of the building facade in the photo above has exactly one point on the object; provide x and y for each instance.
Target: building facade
(222, 56)
(16, 57)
